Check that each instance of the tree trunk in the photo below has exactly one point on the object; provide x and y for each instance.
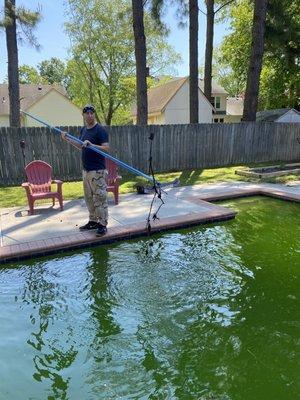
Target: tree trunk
(13, 64)
(209, 48)
(110, 113)
(256, 59)
(193, 42)
(140, 58)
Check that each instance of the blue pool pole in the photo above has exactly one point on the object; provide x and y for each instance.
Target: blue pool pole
(116, 160)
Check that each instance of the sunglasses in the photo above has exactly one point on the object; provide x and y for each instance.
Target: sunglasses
(86, 109)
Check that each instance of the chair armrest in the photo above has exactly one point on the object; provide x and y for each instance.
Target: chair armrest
(59, 185)
(115, 180)
(26, 186)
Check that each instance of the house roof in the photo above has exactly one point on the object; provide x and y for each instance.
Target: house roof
(273, 115)
(159, 96)
(215, 87)
(234, 106)
(29, 94)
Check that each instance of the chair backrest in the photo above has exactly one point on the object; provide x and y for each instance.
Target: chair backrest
(112, 169)
(39, 176)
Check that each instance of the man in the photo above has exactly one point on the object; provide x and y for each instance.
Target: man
(94, 172)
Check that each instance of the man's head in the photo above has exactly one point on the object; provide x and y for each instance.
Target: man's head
(88, 112)
(87, 108)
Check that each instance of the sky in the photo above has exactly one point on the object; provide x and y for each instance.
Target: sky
(54, 42)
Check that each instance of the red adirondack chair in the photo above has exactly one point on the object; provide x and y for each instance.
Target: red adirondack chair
(39, 175)
(113, 179)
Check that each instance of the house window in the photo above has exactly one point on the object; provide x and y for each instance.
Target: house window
(216, 120)
(218, 102)
(221, 119)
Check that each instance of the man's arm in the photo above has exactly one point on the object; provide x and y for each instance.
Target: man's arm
(70, 140)
(103, 146)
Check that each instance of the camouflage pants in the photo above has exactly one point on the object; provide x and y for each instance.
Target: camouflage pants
(95, 195)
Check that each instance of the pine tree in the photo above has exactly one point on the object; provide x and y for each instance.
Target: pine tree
(28, 21)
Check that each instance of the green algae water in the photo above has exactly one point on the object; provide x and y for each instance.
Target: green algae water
(210, 313)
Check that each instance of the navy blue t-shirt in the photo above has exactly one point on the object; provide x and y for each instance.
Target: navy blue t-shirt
(91, 160)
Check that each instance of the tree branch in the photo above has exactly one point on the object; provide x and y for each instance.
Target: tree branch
(224, 5)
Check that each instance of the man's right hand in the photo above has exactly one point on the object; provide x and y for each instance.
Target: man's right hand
(86, 143)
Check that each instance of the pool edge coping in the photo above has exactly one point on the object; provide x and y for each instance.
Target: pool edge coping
(59, 244)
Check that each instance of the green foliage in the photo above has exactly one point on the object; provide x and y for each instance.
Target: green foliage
(48, 72)
(29, 74)
(282, 54)
(26, 20)
(101, 56)
(280, 77)
(102, 65)
(234, 51)
(53, 71)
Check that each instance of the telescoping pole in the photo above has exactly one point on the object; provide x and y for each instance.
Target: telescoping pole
(110, 157)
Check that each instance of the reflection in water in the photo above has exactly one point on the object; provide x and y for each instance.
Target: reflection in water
(208, 313)
(53, 353)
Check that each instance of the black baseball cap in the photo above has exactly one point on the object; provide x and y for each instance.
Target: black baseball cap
(87, 108)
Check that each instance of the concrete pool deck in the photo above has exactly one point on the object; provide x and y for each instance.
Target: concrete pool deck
(49, 230)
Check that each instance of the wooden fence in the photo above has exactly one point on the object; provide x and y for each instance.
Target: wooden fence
(175, 147)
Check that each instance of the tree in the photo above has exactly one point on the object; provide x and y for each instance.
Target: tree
(256, 60)
(225, 75)
(193, 48)
(209, 48)
(12, 56)
(53, 71)
(101, 56)
(157, 7)
(234, 51)
(282, 52)
(27, 21)
(48, 72)
(210, 20)
(280, 76)
(192, 11)
(140, 58)
(29, 75)
(102, 65)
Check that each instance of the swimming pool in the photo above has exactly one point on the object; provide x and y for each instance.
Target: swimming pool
(205, 313)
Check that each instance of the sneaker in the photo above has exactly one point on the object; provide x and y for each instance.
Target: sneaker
(101, 230)
(90, 225)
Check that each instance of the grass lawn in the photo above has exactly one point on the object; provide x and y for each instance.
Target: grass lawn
(15, 195)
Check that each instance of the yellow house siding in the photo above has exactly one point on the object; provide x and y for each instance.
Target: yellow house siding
(55, 109)
(160, 119)
(157, 119)
(232, 118)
